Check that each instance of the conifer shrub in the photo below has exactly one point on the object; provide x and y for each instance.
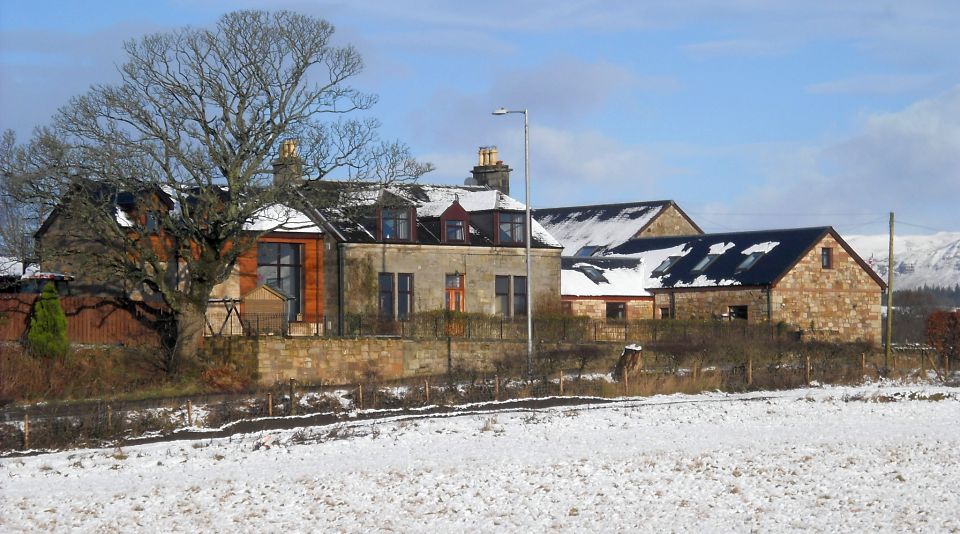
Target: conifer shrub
(47, 336)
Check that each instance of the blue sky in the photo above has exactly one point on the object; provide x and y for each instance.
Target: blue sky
(750, 114)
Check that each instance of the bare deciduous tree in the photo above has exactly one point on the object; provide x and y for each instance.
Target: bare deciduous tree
(195, 123)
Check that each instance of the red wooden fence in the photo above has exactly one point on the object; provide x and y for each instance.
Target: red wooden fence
(90, 320)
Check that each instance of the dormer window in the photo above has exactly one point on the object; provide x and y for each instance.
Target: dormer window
(454, 231)
(511, 228)
(395, 224)
(665, 265)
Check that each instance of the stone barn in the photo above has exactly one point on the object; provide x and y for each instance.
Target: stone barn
(809, 278)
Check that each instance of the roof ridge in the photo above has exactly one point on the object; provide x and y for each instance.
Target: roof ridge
(614, 205)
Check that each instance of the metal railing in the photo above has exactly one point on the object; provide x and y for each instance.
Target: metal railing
(485, 327)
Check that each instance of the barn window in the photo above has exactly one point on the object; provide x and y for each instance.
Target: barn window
(826, 258)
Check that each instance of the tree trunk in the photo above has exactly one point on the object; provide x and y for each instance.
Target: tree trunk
(190, 323)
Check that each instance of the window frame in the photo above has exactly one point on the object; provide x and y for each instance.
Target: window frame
(705, 263)
(296, 250)
(620, 313)
(501, 299)
(517, 297)
(404, 296)
(747, 263)
(515, 224)
(449, 224)
(455, 297)
(400, 298)
(826, 258)
(399, 218)
(386, 294)
(665, 266)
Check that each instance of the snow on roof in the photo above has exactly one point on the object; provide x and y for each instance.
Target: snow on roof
(720, 248)
(781, 248)
(764, 247)
(477, 199)
(472, 200)
(606, 226)
(620, 279)
(281, 218)
(122, 219)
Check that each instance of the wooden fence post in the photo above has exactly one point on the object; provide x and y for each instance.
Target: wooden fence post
(806, 370)
(360, 390)
(293, 398)
(26, 432)
(269, 404)
(189, 412)
(426, 390)
(863, 363)
(496, 387)
(749, 370)
(626, 380)
(109, 418)
(561, 383)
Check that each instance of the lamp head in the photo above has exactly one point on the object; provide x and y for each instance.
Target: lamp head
(500, 111)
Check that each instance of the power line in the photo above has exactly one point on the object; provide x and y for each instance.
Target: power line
(925, 227)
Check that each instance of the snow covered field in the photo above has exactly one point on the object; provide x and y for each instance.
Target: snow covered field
(844, 459)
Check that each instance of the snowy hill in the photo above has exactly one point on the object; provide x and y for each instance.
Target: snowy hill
(932, 260)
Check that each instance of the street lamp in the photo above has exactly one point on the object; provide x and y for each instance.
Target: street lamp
(528, 229)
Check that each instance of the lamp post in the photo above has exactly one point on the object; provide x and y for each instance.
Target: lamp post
(528, 229)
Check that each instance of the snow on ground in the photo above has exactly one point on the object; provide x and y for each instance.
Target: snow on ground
(837, 459)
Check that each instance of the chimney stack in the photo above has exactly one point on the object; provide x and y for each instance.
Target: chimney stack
(490, 171)
(288, 167)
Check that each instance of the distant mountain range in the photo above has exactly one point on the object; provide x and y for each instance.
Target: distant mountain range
(918, 260)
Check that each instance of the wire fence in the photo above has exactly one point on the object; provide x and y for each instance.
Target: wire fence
(114, 423)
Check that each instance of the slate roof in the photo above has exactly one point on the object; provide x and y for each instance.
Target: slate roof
(602, 277)
(357, 222)
(607, 225)
(780, 249)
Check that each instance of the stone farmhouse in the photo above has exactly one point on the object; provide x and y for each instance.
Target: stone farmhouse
(455, 248)
(808, 278)
(385, 251)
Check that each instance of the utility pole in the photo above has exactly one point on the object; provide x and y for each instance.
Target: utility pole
(886, 350)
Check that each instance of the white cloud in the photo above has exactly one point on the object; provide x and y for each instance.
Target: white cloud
(567, 165)
(906, 161)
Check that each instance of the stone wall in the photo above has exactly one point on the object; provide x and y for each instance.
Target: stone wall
(596, 308)
(714, 303)
(429, 265)
(349, 361)
(837, 304)
(669, 222)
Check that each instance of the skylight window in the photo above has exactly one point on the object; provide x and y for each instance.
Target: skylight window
(665, 265)
(750, 261)
(707, 261)
(595, 275)
(588, 250)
